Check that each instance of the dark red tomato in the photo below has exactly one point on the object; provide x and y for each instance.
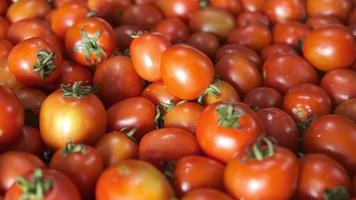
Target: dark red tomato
(144, 16)
(143, 1)
(329, 48)
(338, 8)
(157, 92)
(117, 80)
(5, 48)
(354, 186)
(4, 4)
(280, 126)
(240, 72)
(109, 10)
(28, 9)
(11, 117)
(284, 10)
(206, 42)
(252, 178)
(225, 129)
(263, 97)
(135, 112)
(31, 98)
(90, 41)
(124, 35)
(197, 172)
(35, 62)
(214, 20)
(6, 77)
(160, 146)
(73, 72)
(60, 3)
(34, 28)
(246, 18)
(320, 21)
(48, 184)
(352, 18)
(115, 146)
(4, 27)
(334, 136)
(277, 50)
(290, 32)
(184, 115)
(146, 52)
(14, 164)
(186, 71)
(206, 194)
(236, 48)
(233, 6)
(305, 100)
(340, 85)
(82, 164)
(252, 5)
(66, 16)
(174, 29)
(220, 91)
(347, 109)
(178, 8)
(284, 71)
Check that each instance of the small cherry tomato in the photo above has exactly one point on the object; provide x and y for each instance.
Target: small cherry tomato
(263, 97)
(27, 9)
(206, 194)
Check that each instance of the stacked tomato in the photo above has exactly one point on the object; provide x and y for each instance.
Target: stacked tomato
(177, 99)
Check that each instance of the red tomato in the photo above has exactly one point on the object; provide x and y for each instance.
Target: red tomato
(206, 42)
(124, 35)
(320, 21)
(252, 5)
(233, 6)
(220, 91)
(178, 8)
(73, 72)
(236, 48)
(284, 10)
(338, 8)
(157, 92)
(277, 50)
(7, 79)
(60, 3)
(4, 27)
(27, 9)
(263, 97)
(290, 32)
(108, 9)
(174, 29)
(246, 18)
(206, 194)
(5, 48)
(31, 98)
(347, 109)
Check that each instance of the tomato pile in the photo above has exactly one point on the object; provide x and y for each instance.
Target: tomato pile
(177, 99)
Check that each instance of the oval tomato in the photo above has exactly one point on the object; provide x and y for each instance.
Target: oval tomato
(284, 10)
(27, 9)
(206, 42)
(174, 29)
(347, 109)
(263, 97)
(157, 92)
(182, 9)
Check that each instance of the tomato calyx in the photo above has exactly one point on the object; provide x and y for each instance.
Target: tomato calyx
(89, 46)
(35, 189)
(337, 193)
(168, 167)
(163, 109)
(204, 3)
(212, 90)
(45, 63)
(76, 90)
(90, 14)
(74, 148)
(138, 34)
(229, 115)
(261, 151)
(129, 133)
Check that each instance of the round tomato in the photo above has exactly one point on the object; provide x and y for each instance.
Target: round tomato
(290, 32)
(240, 49)
(263, 97)
(182, 9)
(73, 72)
(206, 42)
(174, 29)
(277, 50)
(347, 109)
(252, 5)
(284, 10)
(157, 92)
(31, 98)
(247, 18)
(320, 21)
(338, 8)
(233, 6)
(206, 194)
(108, 9)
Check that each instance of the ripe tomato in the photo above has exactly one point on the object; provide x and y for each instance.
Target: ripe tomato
(73, 72)
(186, 71)
(220, 91)
(236, 48)
(290, 32)
(174, 29)
(124, 35)
(157, 92)
(233, 6)
(246, 18)
(108, 9)
(320, 21)
(133, 179)
(277, 50)
(284, 10)
(7, 79)
(252, 5)
(4, 4)
(338, 8)
(263, 97)
(206, 42)
(178, 8)
(31, 98)
(72, 112)
(27, 9)
(90, 41)
(206, 194)
(5, 48)
(347, 109)
(4, 27)
(354, 186)
(60, 3)
(225, 129)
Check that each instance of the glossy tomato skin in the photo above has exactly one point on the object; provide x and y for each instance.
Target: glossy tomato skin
(263, 97)
(178, 8)
(73, 72)
(224, 143)
(320, 21)
(251, 179)
(277, 50)
(233, 6)
(174, 29)
(108, 9)
(186, 71)
(334, 136)
(290, 32)
(340, 9)
(27, 9)
(206, 42)
(7, 79)
(124, 35)
(226, 93)
(313, 180)
(4, 26)
(284, 10)
(133, 179)
(195, 172)
(157, 92)
(5, 48)
(247, 18)
(31, 98)
(206, 194)
(60, 3)
(347, 109)
(236, 48)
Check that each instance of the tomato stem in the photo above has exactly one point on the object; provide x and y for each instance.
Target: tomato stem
(35, 189)
(138, 34)
(45, 63)
(204, 3)
(74, 148)
(168, 167)
(229, 115)
(77, 90)
(212, 90)
(337, 193)
(130, 134)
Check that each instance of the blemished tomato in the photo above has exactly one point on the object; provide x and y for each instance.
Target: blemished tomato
(329, 48)
(337, 8)
(146, 51)
(117, 80)
(72, 112)
(27, 9)
(290, 32)
(73, 72)
(263, 97)
(14, 164)
(82, 164)
(108, 9)
(347, 109)
(157, 92)
(6, 77)
(251, 178)
(160, 145)
(284, 10)
(319, 175)
(334, 136)
(174, 29)
(133, 179)
(5, 48)
(182, 9)
(277, 50)
(31, 98)
(206, 194)
(236, 48)
(206, 42)
(124, 35)
(48, 185)
(90, 41)
(196, 172)
(225, 129)
(233, 6)
(247, 18)
(320, 21)
(220, 91)
(186, 71)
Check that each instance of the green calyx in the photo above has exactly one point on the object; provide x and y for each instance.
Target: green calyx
(212, 90)
(45, 63)
(229, 115)
(337, 193)
(74, 148)
(204, 3)
(35, 189)
(129, 133)
(168, 167)
(261, 151)
(76, 90)
(90, 46)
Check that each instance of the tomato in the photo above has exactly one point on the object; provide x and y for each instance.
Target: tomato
(339, 84)
(60, 3)
(27, 9)
(157, 92)
(66, 16)
(73, 72)
(108, 9)
(352, 18)
(115, 146)
(334, 136)
(6, 77)
(347, 109)
(182, 9)
(252, 5)
(284, 71)
(247, 18)
(4, 4)
(186, 71)
(329, 48)
(5, 48)
(124, 35)
(263, 97)
(128, 114)
(72, 112)
(313, 182)
(195, 172)
(240, 72)
(206, 42)
(277, 50)
(133, 179)
(35, 62)
(354, 186)
(174, 29)
(146, 52)
(338, 8)
(284, 10)
(320, 21)
(48, 184)
(31, 98)
(214, 20)
(220, 91)
(236, 48)
(90, 41)
(81, 163)
(4, 27)
(14, 164)
(143, 1)
(206, 194)
(233, 6)
(290, 32)
(225, 129)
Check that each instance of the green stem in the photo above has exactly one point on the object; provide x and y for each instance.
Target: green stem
(74, 148)
(77, 90)
(337, 193)
(130, 134)
(35, 189)
(212, 90)
(45, 63)
(229, 115)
